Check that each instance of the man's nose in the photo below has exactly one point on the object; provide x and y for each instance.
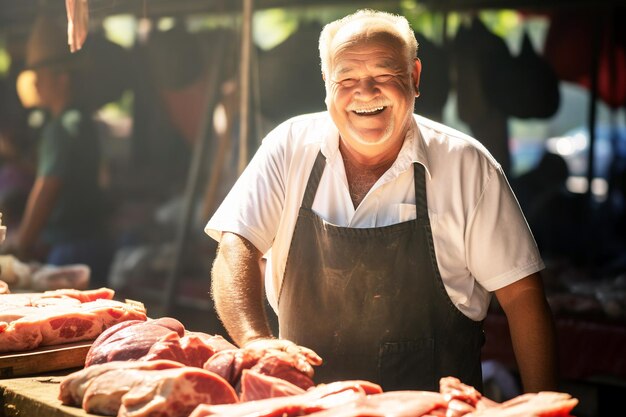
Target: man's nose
(368, 85)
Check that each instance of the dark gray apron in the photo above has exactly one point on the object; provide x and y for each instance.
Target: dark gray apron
(371, 302)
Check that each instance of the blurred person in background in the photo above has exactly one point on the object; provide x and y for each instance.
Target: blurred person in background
(65, 219)
(17, 156)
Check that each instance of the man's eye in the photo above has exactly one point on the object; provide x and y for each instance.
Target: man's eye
(348, 82)
(383, 78)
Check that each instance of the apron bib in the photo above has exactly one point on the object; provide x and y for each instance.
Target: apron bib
(371, 302)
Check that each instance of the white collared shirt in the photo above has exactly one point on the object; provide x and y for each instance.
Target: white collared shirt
(482, 241)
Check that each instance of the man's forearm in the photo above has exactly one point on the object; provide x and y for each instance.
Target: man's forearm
(533, 338)
(237, 289)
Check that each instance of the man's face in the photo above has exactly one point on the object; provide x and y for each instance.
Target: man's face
(50, 85)
(370, 93)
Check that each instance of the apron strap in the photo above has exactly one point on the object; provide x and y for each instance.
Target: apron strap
(421, 204)
(314, 181)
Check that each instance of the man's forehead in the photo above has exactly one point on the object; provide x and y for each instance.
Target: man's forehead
(378, 50)
(366, 30)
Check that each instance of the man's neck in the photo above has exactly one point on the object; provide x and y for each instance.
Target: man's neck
(362, 172)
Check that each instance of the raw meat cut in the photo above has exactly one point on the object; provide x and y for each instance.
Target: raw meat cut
(322, 397)
(335, 400)
(293, 366)
(128, 340)
(144, 388)
(73, 386)
(256, 386)
(541, 404)
(163, 338)
(392, 403)
(53, 325)
(56, 297)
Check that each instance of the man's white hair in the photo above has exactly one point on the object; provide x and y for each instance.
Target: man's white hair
(366, 23)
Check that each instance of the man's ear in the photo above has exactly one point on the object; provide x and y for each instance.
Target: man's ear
(417, 70)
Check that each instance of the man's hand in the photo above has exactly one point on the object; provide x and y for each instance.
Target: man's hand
(284, 345)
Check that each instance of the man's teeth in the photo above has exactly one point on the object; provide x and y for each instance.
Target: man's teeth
(368, 111)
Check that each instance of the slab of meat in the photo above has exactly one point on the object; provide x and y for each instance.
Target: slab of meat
(163, 338)
(292, 366)
(256, 386)
(46, 326)
(73, 386)
(322, 397)
(464, 400)
(130, 340)
(193, 349)
(144, 388)
(56, 297)
(392, 403)
(542, 404)
(455, 399)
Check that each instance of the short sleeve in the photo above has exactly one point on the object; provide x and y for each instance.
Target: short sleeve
(500, 246)
(55, 146)
(254, 205)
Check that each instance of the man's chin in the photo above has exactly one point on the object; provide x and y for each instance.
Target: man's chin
(370, 137)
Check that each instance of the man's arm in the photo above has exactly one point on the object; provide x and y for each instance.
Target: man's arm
(237, 289)
(41, 201)
(532, 332)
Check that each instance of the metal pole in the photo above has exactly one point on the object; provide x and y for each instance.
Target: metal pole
(191, 188)
(244, 83)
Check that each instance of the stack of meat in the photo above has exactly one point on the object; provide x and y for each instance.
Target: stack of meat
(31, 320)
(157, 368)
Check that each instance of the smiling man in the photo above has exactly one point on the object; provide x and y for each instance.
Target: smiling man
(385, 233)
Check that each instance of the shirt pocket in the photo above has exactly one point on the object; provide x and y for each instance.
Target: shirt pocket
(408, 212)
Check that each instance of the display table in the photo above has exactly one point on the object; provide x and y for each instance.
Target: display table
(36, 396)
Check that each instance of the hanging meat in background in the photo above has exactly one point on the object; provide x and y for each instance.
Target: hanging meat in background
(569, 47)
(77, 23)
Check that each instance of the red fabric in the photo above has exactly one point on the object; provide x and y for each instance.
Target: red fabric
(569, 49)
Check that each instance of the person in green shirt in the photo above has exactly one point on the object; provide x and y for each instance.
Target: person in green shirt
(65, 217)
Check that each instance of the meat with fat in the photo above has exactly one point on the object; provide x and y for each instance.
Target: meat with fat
(129, 340)
(144, 389)
(73, 386)
(46, 326)
(163, 338)
(292, 366)
(257, 386)
(322, 397)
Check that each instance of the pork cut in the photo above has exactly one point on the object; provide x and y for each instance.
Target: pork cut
(541, 404)
(257, 386)
(62, 296)
(163, 338)
(53, 325)
(130, 340)
(73, 386)
(322, 397)
(144, 388)
(292, 366)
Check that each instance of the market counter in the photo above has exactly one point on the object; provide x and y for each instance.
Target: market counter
(36, 396)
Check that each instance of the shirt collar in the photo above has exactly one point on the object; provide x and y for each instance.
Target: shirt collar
(413, 150)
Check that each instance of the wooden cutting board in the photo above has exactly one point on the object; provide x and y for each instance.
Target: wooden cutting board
(44, 359)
